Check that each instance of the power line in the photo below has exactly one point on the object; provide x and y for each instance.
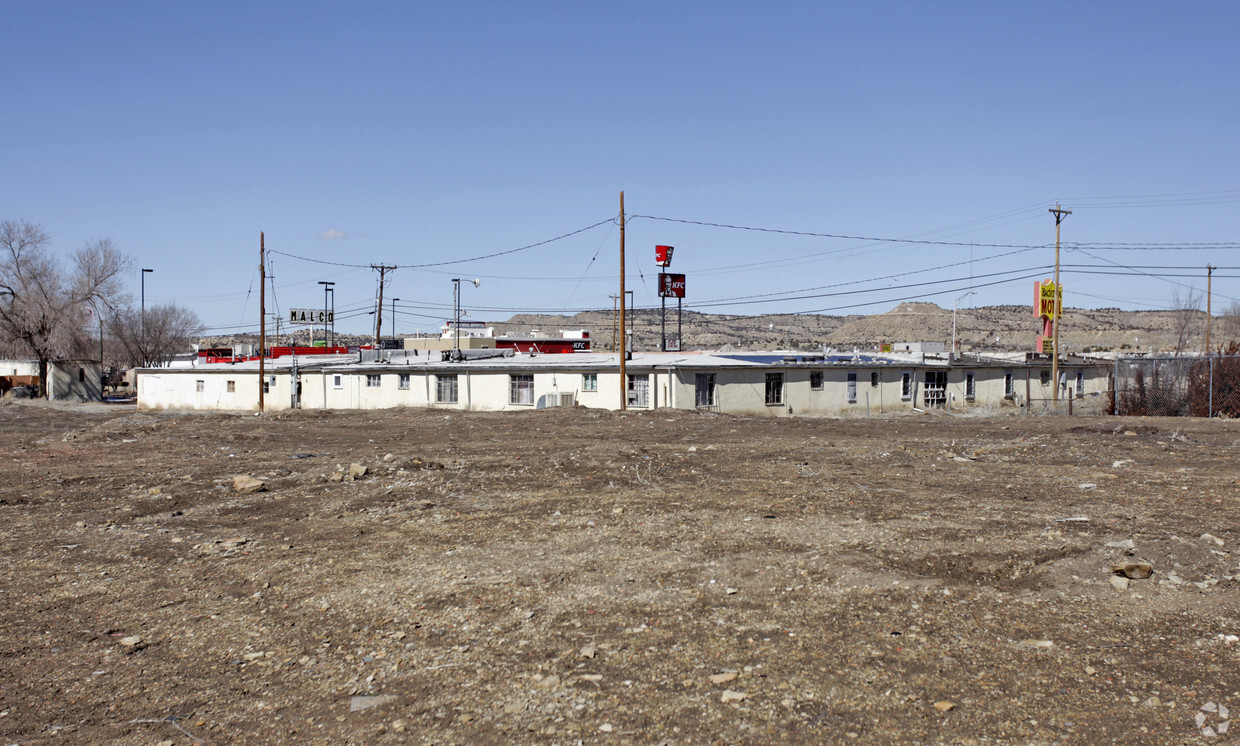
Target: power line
(917, 241)
(450, 261)
(1039, 270)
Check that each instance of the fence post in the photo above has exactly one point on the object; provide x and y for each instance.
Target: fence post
(1115, 389)
(1210, 399)
(1028, 401)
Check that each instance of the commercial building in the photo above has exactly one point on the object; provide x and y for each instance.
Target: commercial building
(771, 384)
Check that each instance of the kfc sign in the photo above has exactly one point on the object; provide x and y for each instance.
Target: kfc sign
(671, 286)
(663, 255)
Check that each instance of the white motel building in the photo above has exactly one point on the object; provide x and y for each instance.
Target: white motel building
(764, 384)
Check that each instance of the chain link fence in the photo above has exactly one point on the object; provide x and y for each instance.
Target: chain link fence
(1176, 386)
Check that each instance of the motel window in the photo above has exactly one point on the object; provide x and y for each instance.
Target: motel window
(815, 380)
(906, 384)
(200, 386)
(231, 387)
(337, 380)
(874, 379)
(445, 389)
(774, 388)
(852, 388)
(639, 390)
(373, 380)
(1046, 378)
(403, 381)
(1080, 383)
(589, 381)
(521, 389)
(704, 390)
(1009, 385)
(970, 386)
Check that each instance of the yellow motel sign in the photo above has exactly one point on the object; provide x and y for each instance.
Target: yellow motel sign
(1048, 299)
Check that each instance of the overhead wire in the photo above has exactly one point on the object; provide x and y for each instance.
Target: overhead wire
(453, 261)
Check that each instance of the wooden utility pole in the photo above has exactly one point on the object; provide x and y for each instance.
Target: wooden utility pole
(1059, 214)
(379, 308)
(624, 343)
(1209, 314)
(262, 317)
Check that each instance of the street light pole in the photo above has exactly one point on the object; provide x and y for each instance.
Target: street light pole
(326, 288)
(456, 323)
(142, 322)
(954, 306)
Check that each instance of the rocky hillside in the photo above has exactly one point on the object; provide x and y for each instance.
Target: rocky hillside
(987, 327)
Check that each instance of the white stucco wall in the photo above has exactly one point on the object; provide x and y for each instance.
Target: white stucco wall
(738, 390)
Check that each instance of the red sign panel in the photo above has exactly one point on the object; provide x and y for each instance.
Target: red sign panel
(671, 286)
(663, 255)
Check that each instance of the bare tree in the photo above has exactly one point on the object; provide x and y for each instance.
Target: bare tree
(170, 330)
(1187, 316)
(1229, 324)
(43, 306)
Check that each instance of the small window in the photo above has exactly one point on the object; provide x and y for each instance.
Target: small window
(521, 389)
(774, 388)
(815, 380)
(1009, 385)
(589, 381)
(267, 384)
(337, 380)
(906, 385)
(704, 390)
(970, 386)
(1046, 378)
(81, 375)
(231, 387)
(200, 386)
(874, 379)
(1080, 383)
(373, 380)
(852, 388)
(445, 389)
(403, 381)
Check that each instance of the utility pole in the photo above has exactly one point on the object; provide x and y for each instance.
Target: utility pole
(262, 317)
(1059, 214)
(624, 345)
(1209, 316)
(383, 269)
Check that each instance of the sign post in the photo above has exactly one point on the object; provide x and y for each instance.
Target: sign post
(671, 286)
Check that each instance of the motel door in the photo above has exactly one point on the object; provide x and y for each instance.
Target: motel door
(936, 388)
(639, 391)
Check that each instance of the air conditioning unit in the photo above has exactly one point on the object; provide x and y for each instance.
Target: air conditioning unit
(561, 399)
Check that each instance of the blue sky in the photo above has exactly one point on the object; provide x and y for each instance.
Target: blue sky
(411, 133)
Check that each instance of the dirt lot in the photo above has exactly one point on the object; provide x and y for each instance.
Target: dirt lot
(580, 576)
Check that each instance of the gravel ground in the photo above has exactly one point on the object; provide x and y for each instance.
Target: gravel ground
(575, 576)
